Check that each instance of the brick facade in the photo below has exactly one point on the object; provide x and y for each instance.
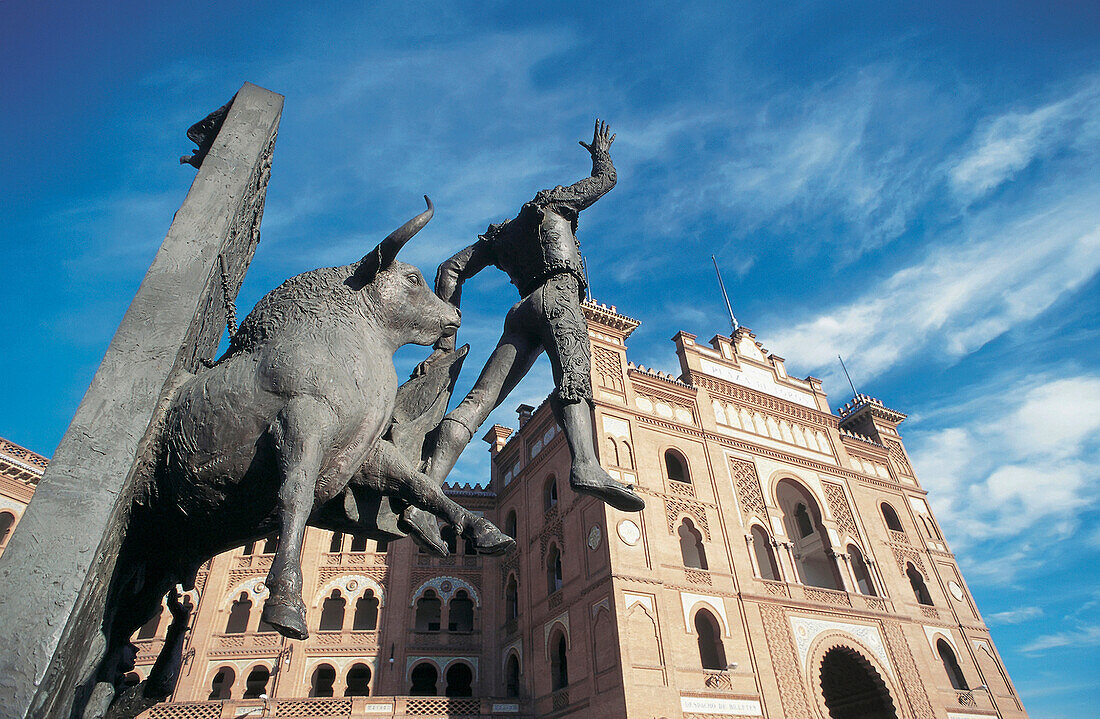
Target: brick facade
(787, 564)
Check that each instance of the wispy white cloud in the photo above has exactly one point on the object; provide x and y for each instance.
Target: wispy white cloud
(1006, 144)
(1014, 616)
(960, 296)
(1013, 469)
(1084, 636)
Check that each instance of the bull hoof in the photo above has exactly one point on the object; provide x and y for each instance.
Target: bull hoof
(290, 621)
(424, 531)
(599, 484)
(487, 538)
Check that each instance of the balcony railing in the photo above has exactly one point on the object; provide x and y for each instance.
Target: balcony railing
(252, 641)
(256, 562)
(381, 707)
(361, 639)
(822, 595)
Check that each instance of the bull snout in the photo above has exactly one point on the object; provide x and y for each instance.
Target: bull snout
(450, 321)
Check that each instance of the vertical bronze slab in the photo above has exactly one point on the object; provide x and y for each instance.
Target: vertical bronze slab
(57, 565)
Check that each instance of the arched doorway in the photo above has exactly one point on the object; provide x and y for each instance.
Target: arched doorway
(852, 688)
(459, 680)
(424, 677)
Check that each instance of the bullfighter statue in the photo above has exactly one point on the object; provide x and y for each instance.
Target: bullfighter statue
(539, 251)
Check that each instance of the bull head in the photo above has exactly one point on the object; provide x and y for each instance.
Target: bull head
(381, 256)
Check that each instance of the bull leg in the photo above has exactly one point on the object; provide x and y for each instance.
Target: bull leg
(403, 480)
(300, 434)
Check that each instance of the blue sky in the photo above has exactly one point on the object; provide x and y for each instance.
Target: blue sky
(913, 187)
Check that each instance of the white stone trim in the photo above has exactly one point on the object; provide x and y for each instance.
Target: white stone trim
(363, 584)
(436, 583)
(690, 601)
(646, 600)
(563, 620)
(931, 632)
(806, 630)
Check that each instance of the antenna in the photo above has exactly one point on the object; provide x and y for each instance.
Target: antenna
(733, 320)
(854, 392)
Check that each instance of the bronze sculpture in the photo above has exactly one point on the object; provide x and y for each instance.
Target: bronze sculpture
(302, 420)
(294, 425)
(539, 251)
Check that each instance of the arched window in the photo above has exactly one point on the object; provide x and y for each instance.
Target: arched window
(366, 613)
(222, 685)
(814, 557)
(627, 455)
(332, 612)
(511, 677)
(469, 548)
(320, 685)
(691, 546)
(802, 518)
(460, 680)
(951, 665)
(920, 589)
(862, 574)
(553, 570)
(890, 517)
(130, 679)
(712, 654)
(550, 494)
(358, 543)
(460, 615)
(427, 612)
(149, 629)
(358, 681)
(337, 543)
(614, 454)
(510, 524)
(424, 677)
(256, 683)
(511, 598)
(238, 615)
(559, 662)
(930, 527)
(271, 544)
(765, 555)
(676, 467)
(7, 519)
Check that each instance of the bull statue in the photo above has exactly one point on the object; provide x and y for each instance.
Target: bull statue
(298, 423)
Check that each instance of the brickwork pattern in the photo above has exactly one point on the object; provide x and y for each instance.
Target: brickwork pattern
(838, 505)
(784, 662)
(748, 487)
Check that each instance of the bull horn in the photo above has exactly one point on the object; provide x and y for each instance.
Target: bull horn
(381, 256)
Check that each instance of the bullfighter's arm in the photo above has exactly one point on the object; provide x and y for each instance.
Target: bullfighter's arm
(581, 194)
(455, 271)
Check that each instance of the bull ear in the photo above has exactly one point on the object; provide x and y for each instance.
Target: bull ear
(381, 256)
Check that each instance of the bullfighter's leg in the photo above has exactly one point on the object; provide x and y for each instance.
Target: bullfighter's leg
(565, 335)
(401, 479)
(300, 433)
(517, 350)
(515, 353)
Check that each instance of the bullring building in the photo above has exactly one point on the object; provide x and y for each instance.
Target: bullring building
(787, 565)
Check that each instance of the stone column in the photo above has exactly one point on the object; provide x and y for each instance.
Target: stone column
(58, 566)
